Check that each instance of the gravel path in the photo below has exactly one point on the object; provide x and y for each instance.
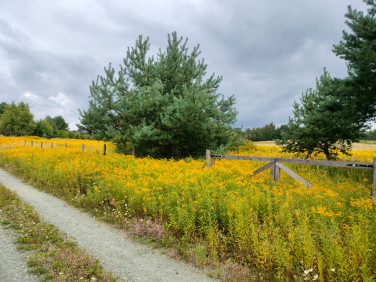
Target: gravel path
(114, 250)
(13, 264)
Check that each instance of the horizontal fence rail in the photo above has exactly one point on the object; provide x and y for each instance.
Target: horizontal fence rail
(275, 165)
(296, 161)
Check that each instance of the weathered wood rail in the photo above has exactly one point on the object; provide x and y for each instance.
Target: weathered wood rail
(275, 165)
(83, 147)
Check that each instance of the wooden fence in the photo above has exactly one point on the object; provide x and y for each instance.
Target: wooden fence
(83, 146)
(275, 165)
(52, 145)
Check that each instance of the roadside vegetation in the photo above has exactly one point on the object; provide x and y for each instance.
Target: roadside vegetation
(222, 216)
(52, 256)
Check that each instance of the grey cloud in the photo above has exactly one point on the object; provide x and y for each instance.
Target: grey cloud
(268, 52)
(44, 74)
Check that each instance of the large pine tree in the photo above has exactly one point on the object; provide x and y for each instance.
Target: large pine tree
(329, 118)
(358, 48)
(320, 123)
(165, 106)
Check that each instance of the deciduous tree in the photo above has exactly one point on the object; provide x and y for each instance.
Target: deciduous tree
(58, 123)
(17, 120)
(43, 128)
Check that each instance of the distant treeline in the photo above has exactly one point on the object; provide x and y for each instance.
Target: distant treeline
(370, 135)
(272, 132)
(268, 132)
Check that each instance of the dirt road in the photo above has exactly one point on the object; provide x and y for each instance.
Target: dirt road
(13, 264)
(110, 246)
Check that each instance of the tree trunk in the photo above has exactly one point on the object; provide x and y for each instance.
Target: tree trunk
(327, 154)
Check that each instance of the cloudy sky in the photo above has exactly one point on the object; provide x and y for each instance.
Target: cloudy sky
(268, 52)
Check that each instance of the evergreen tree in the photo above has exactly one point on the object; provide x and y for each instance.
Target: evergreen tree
(92, 121)
(358, 48)
(165, 106)
(17, 120)
(320, 124)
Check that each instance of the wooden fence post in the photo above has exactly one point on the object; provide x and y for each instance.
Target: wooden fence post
(83, 147)
(275, 171)
(373, 188)
(32, 143)
(104, 149)
(133, 151)
(65, 145)
(208, 158)
(272, 168)
(41, 144)
(52, 145)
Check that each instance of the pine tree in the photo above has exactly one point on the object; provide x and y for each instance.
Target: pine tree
(165, 106)
(320, 123)
(358, 48)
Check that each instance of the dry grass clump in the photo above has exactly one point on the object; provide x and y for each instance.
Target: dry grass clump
(232, 271)
(148, 228)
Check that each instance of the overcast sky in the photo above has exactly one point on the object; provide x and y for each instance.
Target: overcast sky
(268, 52)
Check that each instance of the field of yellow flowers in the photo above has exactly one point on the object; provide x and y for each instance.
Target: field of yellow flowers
(278, 230)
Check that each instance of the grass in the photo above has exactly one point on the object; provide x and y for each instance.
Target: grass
(364, 145)
(264, 143)
(51, 255)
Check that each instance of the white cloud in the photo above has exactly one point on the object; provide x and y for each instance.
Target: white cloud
(32, 97)
(61, 99)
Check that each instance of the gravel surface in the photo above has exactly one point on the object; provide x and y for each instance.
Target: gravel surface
(13, 264)
(110, 246)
